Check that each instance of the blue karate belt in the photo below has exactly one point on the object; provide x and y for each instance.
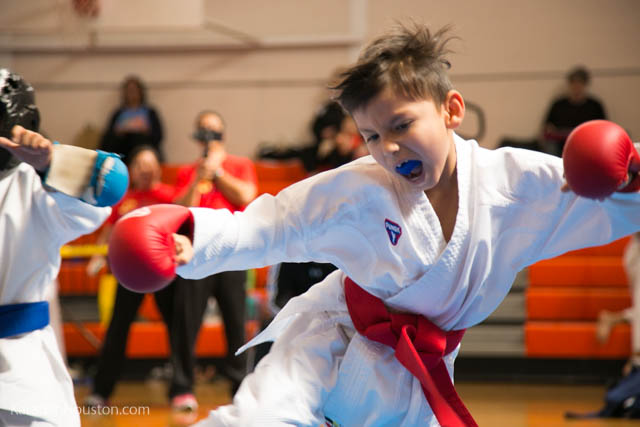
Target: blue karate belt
(25, 317)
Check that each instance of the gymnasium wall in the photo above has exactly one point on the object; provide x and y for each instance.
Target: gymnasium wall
(264, 64)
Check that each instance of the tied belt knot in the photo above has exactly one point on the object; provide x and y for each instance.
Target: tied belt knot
(419, 346)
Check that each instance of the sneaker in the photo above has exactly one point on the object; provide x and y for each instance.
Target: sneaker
(95, 401)
(185, 402)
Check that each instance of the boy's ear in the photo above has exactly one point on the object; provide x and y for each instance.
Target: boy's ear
(454, 109)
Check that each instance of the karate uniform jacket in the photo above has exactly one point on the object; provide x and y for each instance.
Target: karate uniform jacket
(386, 236)
(34, 224)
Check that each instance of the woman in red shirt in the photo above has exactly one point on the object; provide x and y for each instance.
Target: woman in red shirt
(145, 188)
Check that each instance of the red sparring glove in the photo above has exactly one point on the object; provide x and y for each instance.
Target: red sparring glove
(141, 246)
(600, 159)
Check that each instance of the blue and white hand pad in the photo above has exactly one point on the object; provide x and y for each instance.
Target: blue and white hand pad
(96, 177)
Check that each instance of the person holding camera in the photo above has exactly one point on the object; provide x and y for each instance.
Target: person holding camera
(218, 180)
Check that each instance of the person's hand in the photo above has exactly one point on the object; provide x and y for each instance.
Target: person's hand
(30, 147)
(95, 264)
(142, 253)
(566, 189)
(211, 163)
(600, 159)
(205, 171)
(132, 125)
(552, 133)
(138, 125)
(184, 249)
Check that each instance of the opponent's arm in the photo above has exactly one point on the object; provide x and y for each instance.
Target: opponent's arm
(29, 147)
(96, 177)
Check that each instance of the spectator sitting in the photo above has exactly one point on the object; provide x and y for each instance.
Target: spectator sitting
(570, 110)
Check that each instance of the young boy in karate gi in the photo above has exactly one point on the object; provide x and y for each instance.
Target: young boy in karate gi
(428, 233)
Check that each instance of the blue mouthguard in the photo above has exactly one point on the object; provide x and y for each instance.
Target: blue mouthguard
(407, 167)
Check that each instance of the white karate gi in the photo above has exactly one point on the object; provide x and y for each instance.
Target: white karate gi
(511, 213)
(34, 224)
(631, 261)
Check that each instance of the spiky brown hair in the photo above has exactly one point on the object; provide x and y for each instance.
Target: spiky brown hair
(410, 60)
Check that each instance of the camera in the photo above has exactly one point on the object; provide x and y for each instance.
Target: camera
(206, 135)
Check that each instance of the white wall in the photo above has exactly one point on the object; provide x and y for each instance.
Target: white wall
(511, 59)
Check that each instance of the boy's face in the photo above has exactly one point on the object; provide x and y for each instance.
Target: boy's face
(412, 139)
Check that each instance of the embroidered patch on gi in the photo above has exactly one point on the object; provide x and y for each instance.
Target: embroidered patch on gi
(393, 230)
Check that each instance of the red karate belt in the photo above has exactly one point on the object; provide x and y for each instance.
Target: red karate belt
(419, 346)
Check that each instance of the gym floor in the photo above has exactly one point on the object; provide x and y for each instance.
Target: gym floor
(492, 404)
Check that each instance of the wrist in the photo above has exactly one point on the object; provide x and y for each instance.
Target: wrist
(218, 173)
(42, 173)
(43, 170)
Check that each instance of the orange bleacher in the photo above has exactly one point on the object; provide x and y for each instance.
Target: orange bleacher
(73, 278)
(274, 176)
(564, 298)
(575, 340)
(148, 338)
(574, 303)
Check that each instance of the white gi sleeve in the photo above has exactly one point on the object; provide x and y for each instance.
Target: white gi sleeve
(53, 217)
(68, 217)
(549, 222)
(313, 220)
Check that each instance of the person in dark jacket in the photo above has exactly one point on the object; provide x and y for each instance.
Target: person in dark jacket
(134, 123)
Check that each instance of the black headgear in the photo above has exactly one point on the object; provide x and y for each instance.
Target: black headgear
(17, 107)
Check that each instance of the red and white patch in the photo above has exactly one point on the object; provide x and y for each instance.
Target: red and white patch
(394, 231)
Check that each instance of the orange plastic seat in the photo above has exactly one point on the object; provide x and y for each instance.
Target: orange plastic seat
(280, 170)
(148, 339)
(579, 271)
(574, 340)
(574, 303)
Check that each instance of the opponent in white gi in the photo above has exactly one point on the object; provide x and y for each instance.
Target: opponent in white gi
(607, 320)
(434, 226)
(35, 221)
